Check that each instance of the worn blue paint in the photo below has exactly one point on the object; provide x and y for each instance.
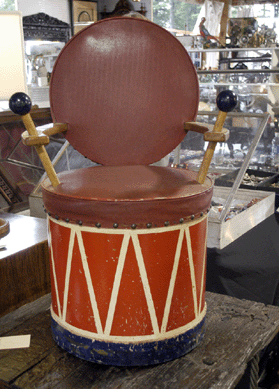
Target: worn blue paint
(131, 354)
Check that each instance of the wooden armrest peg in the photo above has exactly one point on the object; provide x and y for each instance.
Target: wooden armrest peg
(222, 136)
(42, 138)
(196, 127)
(56, 129)
(34, 140)
(207, 131)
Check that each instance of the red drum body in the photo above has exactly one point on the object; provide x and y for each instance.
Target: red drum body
(134, 295)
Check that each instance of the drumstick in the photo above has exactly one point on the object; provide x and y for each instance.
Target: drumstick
(21, 104)
(226, 102)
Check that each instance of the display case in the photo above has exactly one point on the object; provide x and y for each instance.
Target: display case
(251, 72)
(234, 210)
(20, 166)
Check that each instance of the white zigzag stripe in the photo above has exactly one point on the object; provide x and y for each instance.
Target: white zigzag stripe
(203, 270)
(116, 284)
(68, 272)
(145, 283)
(192, 270)
(127, 234)
(53, 270)
(172, 281)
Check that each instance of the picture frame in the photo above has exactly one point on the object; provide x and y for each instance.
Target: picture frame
(84, 14)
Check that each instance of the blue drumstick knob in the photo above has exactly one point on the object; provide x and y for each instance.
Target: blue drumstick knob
(20, 103)
(226, 100)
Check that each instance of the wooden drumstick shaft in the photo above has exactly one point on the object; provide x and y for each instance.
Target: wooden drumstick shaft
(211, 148)
(43, 155)
(226, 102)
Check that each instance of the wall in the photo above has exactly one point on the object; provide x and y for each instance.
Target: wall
(56, 8)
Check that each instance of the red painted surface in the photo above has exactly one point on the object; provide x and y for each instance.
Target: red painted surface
(79, 308)
(102, 251)
(132, 316)
(158, 252)
(182, 304)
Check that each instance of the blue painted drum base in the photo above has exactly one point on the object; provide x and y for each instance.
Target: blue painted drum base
(128, 354)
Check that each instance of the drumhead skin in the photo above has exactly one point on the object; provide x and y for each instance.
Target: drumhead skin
(125, 87)
(127, 195)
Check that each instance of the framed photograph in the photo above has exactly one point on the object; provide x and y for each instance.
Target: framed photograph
(84, 13)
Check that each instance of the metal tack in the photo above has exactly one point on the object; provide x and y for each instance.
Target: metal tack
(133, 226)
(80, 222)
(98, 225)
(181, 220)
(192, 217)
(149, 225)
(167, 223)
(115, 225)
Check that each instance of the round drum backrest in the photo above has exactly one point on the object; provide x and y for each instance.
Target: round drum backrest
(125, 87)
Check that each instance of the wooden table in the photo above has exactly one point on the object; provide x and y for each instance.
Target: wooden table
(24, 265)
(237, 332)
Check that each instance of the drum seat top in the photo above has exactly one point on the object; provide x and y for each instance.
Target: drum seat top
(125, 87)
(127, 195)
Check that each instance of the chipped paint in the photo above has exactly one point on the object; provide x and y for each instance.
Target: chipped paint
(156, 315)
(128, 354)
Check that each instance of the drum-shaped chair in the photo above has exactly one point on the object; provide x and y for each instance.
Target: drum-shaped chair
(127, 239)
